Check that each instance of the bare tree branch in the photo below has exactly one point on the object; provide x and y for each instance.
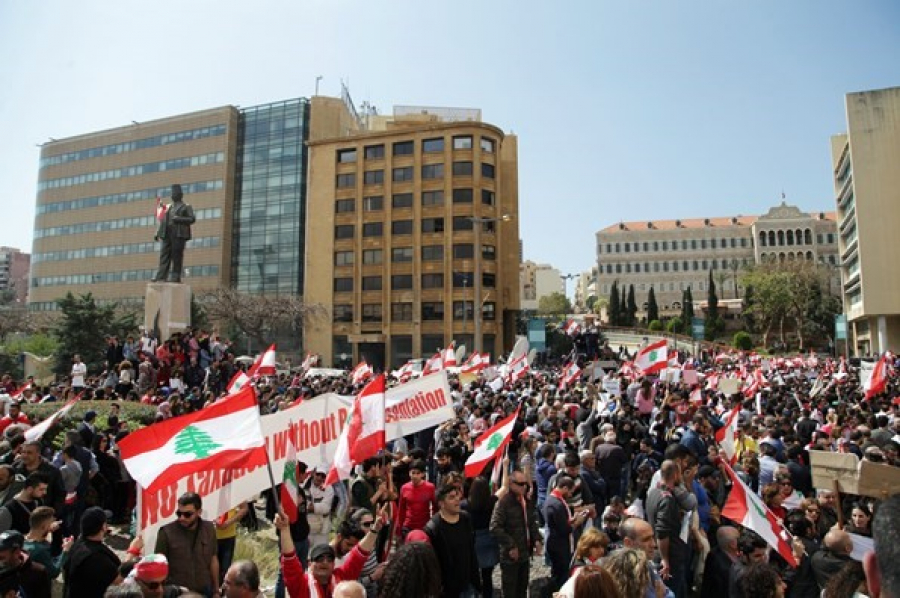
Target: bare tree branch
(252, 314)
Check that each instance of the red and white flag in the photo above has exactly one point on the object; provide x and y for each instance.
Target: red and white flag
(433, 365)
(363, 436)
(725, 435)
(449, 356)
(877, 381)
(475, 363)
(362, 372)
(404, 373)
(696, 396)
(572, 328)
(517, 369)
(570, 375)
(237, 382)
(290, 488)
(310, 361)
(37, 432)
(745, 507)
(267, 363)
(161, 209)
(652, 358)
(225, 435)
(16, 394)
(490, 444)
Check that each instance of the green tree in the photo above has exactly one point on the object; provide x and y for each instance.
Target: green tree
(632, 306)
(687, 307)
(742, 341)
(770, 302)
(675, 325)
(623, 307)
(554, 304)
(652, 307)
(712, 311)
(591, 303)
(83, 327)
(614, 307)
(655, 326)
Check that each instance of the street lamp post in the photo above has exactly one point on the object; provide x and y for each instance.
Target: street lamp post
(477, 222)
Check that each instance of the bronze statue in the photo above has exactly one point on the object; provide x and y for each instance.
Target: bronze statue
(174, 232)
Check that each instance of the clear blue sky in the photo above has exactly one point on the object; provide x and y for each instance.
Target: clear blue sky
(624, 111)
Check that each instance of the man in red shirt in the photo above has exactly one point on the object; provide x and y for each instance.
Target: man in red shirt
(15, 416)
(417, 501)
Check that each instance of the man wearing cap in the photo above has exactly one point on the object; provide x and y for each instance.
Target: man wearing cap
(33, 578)
(323, 575)
(189, 543)
(149, 575)
(92, 567)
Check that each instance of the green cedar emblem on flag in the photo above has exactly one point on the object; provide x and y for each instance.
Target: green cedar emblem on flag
(652, 355)
(196, 441)
(495, 441)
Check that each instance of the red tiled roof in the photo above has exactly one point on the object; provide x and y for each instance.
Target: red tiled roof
(687, 223)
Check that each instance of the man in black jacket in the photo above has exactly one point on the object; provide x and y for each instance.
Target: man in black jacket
(453, 538)
(92, 567)
(560, 522)
(719, 562)
(514, 525)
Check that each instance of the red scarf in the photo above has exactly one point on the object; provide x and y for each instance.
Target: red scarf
(555, 492)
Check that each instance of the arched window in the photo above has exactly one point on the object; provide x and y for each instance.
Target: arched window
(799, 236)
(762, 239)
(790, 237)
(809, 255)
(781, 238)
(771, 238)
(807, 237)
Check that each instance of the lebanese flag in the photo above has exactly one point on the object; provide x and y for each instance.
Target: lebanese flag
(712, 382)
(746, 508)
(652, 358)
(569, 375)
(877, 382)
(490, 444)
(38, 431)
(237, 382)
(267, 363)
(225, 435)
(361, 372)
(404, 373)
(518, 369)
(449, 356)
(310, 361)
(290, 489)
(435, 364)
(363, 436)
(725, 435)
(476, 362)
(696, 396)
(161, 209)
(572, 328)
(254, 367)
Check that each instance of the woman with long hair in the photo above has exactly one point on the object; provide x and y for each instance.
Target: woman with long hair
(860, 520)
(412, 571)
(848, 582)
(773, 498)
(595, 582)
(629, 568)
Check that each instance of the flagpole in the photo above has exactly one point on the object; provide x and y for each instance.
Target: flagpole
(272, 482)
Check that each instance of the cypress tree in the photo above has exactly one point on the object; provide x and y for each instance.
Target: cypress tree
(652, 307)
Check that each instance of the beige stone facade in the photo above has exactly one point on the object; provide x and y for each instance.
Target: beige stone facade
(391, 245)
(672, 255)
(94, 223)
(866, 161)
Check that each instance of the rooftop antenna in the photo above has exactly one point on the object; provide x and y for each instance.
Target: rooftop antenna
(318, 78)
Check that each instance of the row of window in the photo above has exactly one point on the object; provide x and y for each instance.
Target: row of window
(405, 227)
(121, 276)
(404, 282)
(117, 198)
(107, 225)
(407, 148)
(683, 244)
(430, 253)
(54, 306)
(406, 173)
(375, 203)
(403, 312)
(799, 237)
(685, 266)
(112, 250)
(663, 287)
(130, 171)
(138, 144)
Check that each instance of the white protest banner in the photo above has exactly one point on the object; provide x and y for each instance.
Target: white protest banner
(315, 425)
(612, 387)
(690, 377)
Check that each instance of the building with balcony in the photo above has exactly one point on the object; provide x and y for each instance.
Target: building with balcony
(14, 267)
(672, 255)
(866, 162)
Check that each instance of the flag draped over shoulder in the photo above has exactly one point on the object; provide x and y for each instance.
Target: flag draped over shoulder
(490, 445)
(37, 432)
(364, 434)
(745, 507)
(225, 435)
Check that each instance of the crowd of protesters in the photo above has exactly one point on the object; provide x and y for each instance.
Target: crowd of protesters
(612, 485)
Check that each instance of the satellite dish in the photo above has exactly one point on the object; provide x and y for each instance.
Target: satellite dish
(531, 355)
(460, 353)
(520, 348)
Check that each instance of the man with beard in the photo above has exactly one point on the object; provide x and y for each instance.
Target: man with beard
(190, 545)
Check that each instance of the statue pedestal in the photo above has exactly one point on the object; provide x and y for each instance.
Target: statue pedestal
(167, 308)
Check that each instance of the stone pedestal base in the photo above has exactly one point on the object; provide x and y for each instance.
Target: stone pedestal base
(167, 308)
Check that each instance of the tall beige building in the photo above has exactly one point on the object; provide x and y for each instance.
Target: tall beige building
(672, 255)
(866, 161)
(393, 248)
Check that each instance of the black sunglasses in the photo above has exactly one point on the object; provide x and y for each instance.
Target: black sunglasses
(185, 514)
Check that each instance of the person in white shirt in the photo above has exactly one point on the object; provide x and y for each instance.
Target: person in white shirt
(79, 371)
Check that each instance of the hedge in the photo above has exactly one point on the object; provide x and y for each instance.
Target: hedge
(136, 415)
